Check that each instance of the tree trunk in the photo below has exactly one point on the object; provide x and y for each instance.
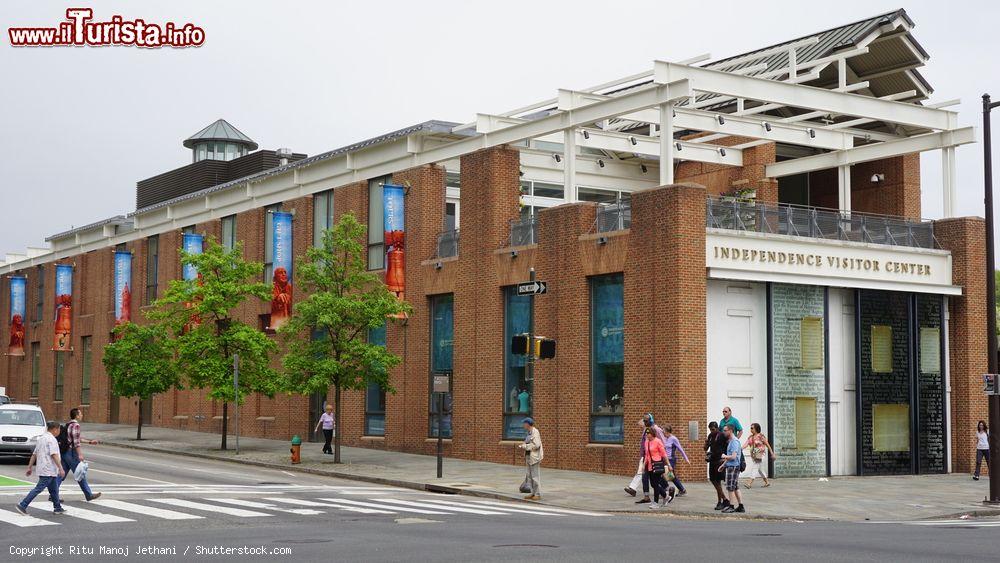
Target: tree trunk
(138, 430)
(225, 423)
(336, 426)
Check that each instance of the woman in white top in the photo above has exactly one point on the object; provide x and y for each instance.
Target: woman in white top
(328, 422)
(982, 448)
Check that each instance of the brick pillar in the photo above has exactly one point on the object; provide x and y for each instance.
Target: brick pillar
(665, 293)
(898, 194)
(965, 237)
(754, 172)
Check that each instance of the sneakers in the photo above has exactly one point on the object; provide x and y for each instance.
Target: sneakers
(20, 510)
(630, 491)
(643, 500)
(59, 511)
(682, 493)
(728, 510)
(975, 477)
(740, 509)
(719, 506)
(532, 497)
(95, 497)
(670, 495)
(654, 506)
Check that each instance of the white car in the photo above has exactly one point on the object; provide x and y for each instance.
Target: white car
(20, 427)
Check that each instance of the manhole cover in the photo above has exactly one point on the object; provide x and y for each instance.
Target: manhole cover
(526, 545)
(304, 540)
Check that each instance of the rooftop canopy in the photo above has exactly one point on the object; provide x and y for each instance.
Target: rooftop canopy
(220, 130)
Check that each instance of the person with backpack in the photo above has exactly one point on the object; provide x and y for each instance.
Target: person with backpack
(734, 464)
(50, 469)
(71, 452)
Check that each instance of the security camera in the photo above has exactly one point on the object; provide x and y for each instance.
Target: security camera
(633, 141)
(812, 133)
(557, 157)
(878, 178)
(678, 146)
(766, 126)
(722, 120)
(722, 151)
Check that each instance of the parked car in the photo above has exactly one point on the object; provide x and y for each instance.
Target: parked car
(20, 427)
(4, 400)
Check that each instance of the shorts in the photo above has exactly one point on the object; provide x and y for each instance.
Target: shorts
(714, 475)
(732, 478)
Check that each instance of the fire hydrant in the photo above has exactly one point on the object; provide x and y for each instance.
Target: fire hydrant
(296, 448)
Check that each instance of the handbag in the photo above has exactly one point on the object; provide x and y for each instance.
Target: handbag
(525, 485)
(659, 466)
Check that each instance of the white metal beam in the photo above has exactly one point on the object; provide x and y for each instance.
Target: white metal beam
(808, 97)
(666, 144)
(948, 183)
(874, 151)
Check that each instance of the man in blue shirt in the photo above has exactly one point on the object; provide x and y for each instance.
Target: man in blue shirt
(731, 462)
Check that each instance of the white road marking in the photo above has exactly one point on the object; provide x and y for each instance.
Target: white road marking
(543, 507)
(92, 470)
(92, 515)
(301, 502)
(506, 508)
(148, 510)
(432, 506)
(377, 505)
(209, 507)
(23, 521)
(265, 506)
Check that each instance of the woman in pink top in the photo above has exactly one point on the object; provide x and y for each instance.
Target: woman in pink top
(328, 422)
(656, 465)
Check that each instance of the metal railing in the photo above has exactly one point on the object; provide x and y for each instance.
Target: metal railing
(614, 217)
(447, 244)
(815, 222)
(524, 231)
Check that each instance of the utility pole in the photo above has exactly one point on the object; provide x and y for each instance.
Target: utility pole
(236, 389)
(531, 338)
(991, 301)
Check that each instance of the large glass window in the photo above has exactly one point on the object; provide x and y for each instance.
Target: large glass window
(442, 341)
(229, 232)
(607, 357)
(518, 389)
(376, 223)
(57, 394)
(40, 294)
(322, 215)
(152, 268)
(87, 343)
(374, 394)
(269, 241)
(36, 368)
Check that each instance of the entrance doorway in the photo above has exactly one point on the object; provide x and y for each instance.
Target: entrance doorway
(316, 403)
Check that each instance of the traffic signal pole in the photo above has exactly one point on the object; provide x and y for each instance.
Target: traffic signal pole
(991, 301)
(531, 340)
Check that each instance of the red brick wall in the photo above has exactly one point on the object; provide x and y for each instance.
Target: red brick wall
(898, 194)
(720, 179)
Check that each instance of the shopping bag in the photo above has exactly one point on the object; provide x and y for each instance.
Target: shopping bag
(525, 485)
(80, 473)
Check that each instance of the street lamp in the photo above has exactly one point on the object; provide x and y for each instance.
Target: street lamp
(991, 300)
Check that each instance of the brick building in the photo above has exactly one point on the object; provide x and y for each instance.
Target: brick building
(743, 232)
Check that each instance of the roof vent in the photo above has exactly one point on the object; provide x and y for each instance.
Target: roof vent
(283, 155)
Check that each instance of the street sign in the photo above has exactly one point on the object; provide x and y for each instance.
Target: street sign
(531, 288)
(442, 384)
(990, 384)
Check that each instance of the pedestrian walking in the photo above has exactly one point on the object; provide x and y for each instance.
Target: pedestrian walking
(715, 448)
(759, 446)
(71, 452)
(647, 421)
(731, 461)
(50, 470)
(728, 418)
(533, 454)
(328, 422)
(656, 467)
(673, 445)
(982, 447)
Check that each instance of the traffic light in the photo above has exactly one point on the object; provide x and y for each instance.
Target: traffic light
(990, 384)
(545, 348)
(519, 345)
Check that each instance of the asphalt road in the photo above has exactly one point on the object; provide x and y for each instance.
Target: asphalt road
(194, 509)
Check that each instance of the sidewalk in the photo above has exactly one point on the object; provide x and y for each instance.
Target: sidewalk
(839, 498)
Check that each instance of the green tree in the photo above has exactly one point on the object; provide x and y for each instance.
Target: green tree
(202, 316)
(327, 333)
(140, 364)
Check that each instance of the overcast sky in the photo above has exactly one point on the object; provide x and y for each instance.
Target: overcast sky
(81, 125)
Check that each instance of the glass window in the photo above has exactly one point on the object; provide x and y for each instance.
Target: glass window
(450, 216)
(544, 189)
(57, 394)
(376, 223)
(596, 194)
(40, 294)
(201, 152)
(229, 232)
(881, 349)
(374, 394)
(152, 268)
(891, 428)
(230, 151)
(806, 437)
(442, 340)
(518, 389)
(322, 215)
(453, 180)
(88, 354)
(269, 241)
(607, 362)
(36, 367)
(811, 343)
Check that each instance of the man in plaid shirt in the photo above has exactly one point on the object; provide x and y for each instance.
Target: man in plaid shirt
(74, 455)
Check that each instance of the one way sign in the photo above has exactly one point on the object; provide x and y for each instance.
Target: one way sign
(531, 288)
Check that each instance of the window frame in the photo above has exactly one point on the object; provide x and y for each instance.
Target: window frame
(326, 197)
(376, 236)
(510, 293)
(377, 414)
(152, 269)
(448, 412)
(269, 242)
(59, 384)
(228, 231)
(87, 347)
(593, 415)
(40, 294)
(36, 369)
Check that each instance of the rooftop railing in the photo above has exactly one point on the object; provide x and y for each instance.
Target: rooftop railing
(447, 244)
(833, 224)
(614, 217)
(524, 231)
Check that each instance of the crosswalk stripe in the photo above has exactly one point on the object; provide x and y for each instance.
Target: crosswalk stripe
(146, 510)
(265, 506)
(92, 515)
(209, 507)
(301, 502)
(506, 508)
(546, 508)
(375, 505)
(23, 521)
(432, 506)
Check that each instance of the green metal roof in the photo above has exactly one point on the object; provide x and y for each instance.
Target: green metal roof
(221, 130)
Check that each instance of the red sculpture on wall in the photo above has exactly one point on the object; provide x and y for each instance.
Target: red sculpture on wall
(16, 345)
(64, 323)
(281, 298)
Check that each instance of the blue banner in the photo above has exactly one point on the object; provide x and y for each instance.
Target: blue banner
(123, 287)
(393, 197)
(64, 307)
(18, 287)
(281, 281)
(193, 243)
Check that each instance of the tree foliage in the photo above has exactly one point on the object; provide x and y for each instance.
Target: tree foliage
(139, 363)
(327, 333)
